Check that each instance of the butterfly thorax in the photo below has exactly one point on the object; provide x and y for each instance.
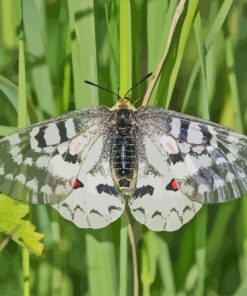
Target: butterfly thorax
(123, 156)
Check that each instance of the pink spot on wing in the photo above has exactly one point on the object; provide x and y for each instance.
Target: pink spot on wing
(169, 144)
(171, 148)
(76, 146)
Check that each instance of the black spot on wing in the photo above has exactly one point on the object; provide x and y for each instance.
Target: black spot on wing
(40, 137)
(111, 190)
(140, 192)
(72, 213)
(206, 135)
(140, 209)
(69, 157)
(55, 152)
(223, 148)
(187, 208)
(62, 131)
(156, 213)
(78, 208)
(175, 158)
(93, 211)
(184, 130)
(114, 208)
(174, 210)
(168, 124)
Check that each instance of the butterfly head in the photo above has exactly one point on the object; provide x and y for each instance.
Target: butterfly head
(123, 102)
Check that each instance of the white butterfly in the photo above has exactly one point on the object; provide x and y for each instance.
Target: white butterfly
(88, 162)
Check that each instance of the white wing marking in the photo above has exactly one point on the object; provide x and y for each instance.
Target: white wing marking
(51, 135)
(195, 136)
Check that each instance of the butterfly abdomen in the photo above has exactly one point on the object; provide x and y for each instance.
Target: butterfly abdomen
(123, 149)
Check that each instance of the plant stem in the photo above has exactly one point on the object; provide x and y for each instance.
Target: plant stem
(125, 81)
(123, 277)
(8, 237)
(22, 121)
(134, 254)
(5, 242)
(152, 83)
(26, 271)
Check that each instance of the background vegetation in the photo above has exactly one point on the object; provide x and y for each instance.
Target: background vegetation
(58, 44)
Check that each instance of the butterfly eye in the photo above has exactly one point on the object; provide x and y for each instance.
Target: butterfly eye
(173, 185)
(77, 184)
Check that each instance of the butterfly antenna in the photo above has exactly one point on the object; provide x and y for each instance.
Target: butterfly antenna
(101, 87)
(139, 82)
(137, 101)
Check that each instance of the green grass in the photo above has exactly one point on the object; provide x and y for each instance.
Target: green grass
(115, 44)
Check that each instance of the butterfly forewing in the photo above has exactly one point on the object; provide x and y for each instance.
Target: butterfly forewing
(39, 164)
(208, 161)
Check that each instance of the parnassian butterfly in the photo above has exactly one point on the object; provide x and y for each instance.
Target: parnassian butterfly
(88, 162)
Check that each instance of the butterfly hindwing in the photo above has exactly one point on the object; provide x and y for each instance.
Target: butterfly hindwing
(207, 160)
(94, 201)
(157, 202)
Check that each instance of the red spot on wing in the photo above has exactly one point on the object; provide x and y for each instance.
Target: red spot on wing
(77, 184)
(174, 184)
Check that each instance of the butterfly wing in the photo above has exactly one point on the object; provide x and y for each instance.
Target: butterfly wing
(94, 202)
(208, 161)
(156, 202)
(37, 163)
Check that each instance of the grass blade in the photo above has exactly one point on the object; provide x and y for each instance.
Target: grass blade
(125, 47)
(218, 23)
(5, 130)
(34, 29)
(150, 253)
(22, 122)
(165, 266)
(169, 85)
(125, 82)
(83, 46)
(10, 90)
(101, 263)
(22, 101)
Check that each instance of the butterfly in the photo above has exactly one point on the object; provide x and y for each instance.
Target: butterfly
(89, 163)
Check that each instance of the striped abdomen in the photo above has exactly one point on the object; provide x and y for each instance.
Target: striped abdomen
(124, 158)
(123, 150)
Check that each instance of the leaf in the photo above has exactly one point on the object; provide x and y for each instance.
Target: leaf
(21, 231)
(10, 90)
